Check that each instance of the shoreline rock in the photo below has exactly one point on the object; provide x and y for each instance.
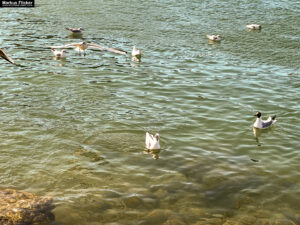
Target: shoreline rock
(24, 208)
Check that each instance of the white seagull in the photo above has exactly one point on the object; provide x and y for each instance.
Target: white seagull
(59, 54)
(6, 57)
(214, 37)
(152, 142)
(253, 26)
(136, 54)
(82, 46)
(75, 30)
(263, 124)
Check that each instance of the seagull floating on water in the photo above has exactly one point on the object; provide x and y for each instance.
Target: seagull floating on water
(263, 124)
(58, 53)
(82, 46)
(214, 37)
(6, 57)
(152, 142)
(136, 54)
(75, 30)
(253, 26)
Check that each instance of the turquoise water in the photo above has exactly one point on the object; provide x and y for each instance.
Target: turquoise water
(74, 129)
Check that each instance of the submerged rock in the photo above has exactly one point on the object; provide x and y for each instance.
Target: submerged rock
(212, 221)
(174, 220)
(157, 216)
(132, 201)
(284, 222)
(23, 208)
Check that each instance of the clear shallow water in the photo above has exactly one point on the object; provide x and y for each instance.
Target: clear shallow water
(73, 129)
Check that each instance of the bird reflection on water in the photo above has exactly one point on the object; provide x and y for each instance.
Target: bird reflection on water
(155, 153)
(257, 133)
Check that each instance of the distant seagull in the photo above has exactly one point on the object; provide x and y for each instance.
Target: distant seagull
(262, 124)
(214, 37)
(136, 54)
(253, 27)
(75, 30)
(59, 54)
(6, 57)
(82, 46)
(152, 142)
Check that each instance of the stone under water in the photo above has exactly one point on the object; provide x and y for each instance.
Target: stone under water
(24, 208)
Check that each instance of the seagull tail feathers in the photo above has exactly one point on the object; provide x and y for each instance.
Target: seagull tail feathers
(274, 119)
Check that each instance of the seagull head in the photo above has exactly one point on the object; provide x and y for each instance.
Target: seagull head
(157, 136)
(258, 114)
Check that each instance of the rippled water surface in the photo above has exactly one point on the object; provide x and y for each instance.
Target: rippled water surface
(74, 129)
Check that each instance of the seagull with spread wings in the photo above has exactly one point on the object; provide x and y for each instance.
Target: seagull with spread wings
(6, 57)
(82, 46)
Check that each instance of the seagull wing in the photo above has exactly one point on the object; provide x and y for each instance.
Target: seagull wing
(267, 123)
(6, 57)
(108, 49)
(149, 140)
(67, 45)
(74, 30)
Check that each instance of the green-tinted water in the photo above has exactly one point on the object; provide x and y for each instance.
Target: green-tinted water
(73, 129)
